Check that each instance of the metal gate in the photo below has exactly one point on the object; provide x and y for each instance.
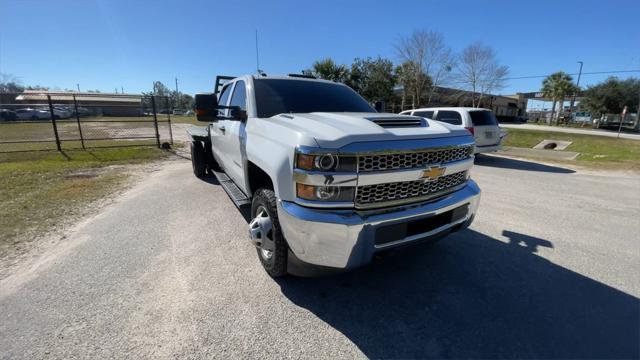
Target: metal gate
(38, 120)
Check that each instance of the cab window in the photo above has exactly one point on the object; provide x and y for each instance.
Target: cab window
(239, 97)
(223, 99)
(451, 117)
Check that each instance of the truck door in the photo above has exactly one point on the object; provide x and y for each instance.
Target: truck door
(234, 136)
(218, 127)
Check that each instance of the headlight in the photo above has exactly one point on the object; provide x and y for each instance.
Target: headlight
(325, 193)
(326, 162)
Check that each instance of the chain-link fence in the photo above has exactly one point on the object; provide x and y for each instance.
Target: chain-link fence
(42, 120)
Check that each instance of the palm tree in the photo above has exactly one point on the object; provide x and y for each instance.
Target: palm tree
(327, 69)
(556, 86)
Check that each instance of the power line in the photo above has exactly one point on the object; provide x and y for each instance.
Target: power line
(584, 73)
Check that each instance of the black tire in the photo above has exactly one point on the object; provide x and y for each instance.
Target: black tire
(276, 265)
(198, 159)
(212, 164)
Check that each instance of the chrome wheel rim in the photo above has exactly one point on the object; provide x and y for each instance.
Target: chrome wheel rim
(263, 222)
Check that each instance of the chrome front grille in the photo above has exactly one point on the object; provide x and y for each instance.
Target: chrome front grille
(406, 190)
(412, 159)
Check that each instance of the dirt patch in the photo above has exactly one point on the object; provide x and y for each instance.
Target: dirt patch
(86, 173)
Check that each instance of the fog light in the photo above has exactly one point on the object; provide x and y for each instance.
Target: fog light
(327, 192)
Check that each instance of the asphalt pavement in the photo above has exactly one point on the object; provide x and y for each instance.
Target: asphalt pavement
(549, 269)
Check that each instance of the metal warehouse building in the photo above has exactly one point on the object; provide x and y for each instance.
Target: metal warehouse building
(96, 103)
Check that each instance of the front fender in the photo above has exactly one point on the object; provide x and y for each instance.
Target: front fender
(272, 147)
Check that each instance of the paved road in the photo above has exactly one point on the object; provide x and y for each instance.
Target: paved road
(597, 132)
(550, 268)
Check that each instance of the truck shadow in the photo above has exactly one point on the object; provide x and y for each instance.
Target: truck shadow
(473, 296)
(508, 163)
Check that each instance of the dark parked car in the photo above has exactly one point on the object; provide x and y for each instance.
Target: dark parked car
(7, 115)
(82, 111)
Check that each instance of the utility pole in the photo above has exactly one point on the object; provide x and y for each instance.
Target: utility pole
(78, 86)
(121, 89)
(573, 100)
(622, 117)
(177, 95)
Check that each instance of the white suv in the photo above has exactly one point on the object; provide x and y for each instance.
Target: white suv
(480, 122)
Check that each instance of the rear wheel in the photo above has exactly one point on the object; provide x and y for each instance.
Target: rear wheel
(212, 164)
(198, 159)
(267, 234)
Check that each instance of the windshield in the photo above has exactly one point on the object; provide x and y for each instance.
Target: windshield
(480, 118)
(277, 96)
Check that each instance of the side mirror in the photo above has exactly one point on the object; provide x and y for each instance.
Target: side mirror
(206, 107)
(235, 113)
(379, 106)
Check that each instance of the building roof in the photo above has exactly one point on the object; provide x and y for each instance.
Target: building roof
(41, 95)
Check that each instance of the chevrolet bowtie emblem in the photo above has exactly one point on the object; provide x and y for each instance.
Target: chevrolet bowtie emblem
(433, 173)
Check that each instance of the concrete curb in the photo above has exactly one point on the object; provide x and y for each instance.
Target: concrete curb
(540, 153)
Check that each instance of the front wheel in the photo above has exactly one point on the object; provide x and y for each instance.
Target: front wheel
(266, 233)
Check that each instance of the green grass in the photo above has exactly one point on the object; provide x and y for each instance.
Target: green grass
(92, 127)
(43, 188)
(595, 151)
(185, 119)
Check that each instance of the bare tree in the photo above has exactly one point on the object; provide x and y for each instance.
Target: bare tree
(431, 61)
(413, 82)
(479, 71)
(10, 83)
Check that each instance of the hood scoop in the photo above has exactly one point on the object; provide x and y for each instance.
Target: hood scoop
(398, 122)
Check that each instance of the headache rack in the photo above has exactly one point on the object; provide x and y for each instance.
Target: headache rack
(221, 80)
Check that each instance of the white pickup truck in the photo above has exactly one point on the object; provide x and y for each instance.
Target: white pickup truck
(331, 182)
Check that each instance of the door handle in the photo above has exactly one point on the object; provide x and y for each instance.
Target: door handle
(221, 128)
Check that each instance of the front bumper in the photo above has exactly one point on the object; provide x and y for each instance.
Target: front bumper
(347, 238)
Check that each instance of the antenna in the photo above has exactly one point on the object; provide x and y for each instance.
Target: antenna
(257, 54)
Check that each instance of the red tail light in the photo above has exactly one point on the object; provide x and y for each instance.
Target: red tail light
(470, 130)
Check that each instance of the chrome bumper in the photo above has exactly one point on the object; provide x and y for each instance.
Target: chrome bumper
(347, 238)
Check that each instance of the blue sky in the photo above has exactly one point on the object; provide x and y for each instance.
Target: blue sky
(108, 44)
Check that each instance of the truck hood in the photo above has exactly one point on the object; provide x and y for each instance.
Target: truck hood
(334, 130)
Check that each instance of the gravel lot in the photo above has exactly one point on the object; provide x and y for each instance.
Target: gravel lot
(549, 269)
